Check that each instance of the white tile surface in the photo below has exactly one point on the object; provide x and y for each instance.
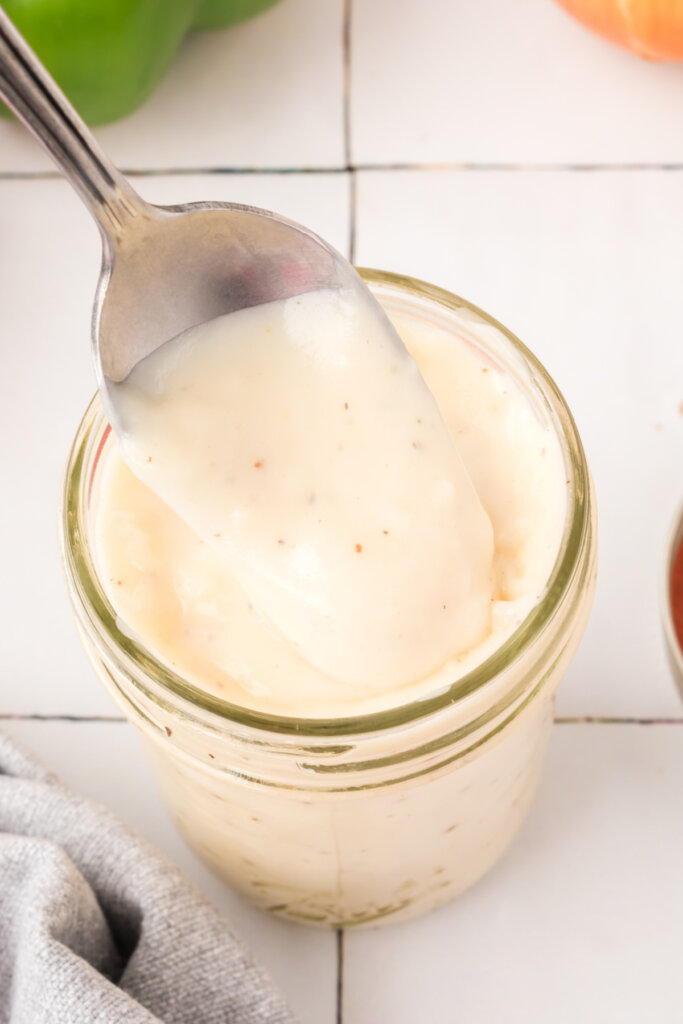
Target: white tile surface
(495, 81)
(583, 921)
(49, 263)
(267, 93)
(104, 761)
(585, 267)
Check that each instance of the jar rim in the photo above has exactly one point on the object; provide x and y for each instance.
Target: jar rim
(82, 575)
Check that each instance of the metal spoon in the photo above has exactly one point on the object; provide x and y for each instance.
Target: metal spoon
(164, 268)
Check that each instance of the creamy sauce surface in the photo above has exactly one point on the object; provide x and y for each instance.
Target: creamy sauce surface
(313, 525)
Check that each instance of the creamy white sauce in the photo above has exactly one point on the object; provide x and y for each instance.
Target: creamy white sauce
(322, 529)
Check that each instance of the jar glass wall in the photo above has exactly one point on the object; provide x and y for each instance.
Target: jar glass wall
(358, 819)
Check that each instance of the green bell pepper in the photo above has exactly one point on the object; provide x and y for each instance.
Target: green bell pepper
(108, 56)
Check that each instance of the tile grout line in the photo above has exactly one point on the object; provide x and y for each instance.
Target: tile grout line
(520, 165)
(614, 720)
(559, 720)
(346, 48)
(340, 976)
(346, 99)
(62, 718)
(460, 166)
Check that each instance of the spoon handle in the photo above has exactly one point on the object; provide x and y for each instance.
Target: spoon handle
(27, 88)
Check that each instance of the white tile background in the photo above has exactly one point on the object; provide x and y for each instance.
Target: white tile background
(281, 73)
(543, 179)
(498, 82)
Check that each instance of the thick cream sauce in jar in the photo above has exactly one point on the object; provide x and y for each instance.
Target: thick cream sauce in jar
(340, 799)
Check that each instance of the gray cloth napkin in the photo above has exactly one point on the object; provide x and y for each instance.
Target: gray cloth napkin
(97, 928)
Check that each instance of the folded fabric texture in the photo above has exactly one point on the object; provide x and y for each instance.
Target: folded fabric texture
(97, 928)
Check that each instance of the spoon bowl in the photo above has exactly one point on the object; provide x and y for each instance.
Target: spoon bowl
(175, 267)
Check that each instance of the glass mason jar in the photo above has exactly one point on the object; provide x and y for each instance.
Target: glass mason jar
(376, 817)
